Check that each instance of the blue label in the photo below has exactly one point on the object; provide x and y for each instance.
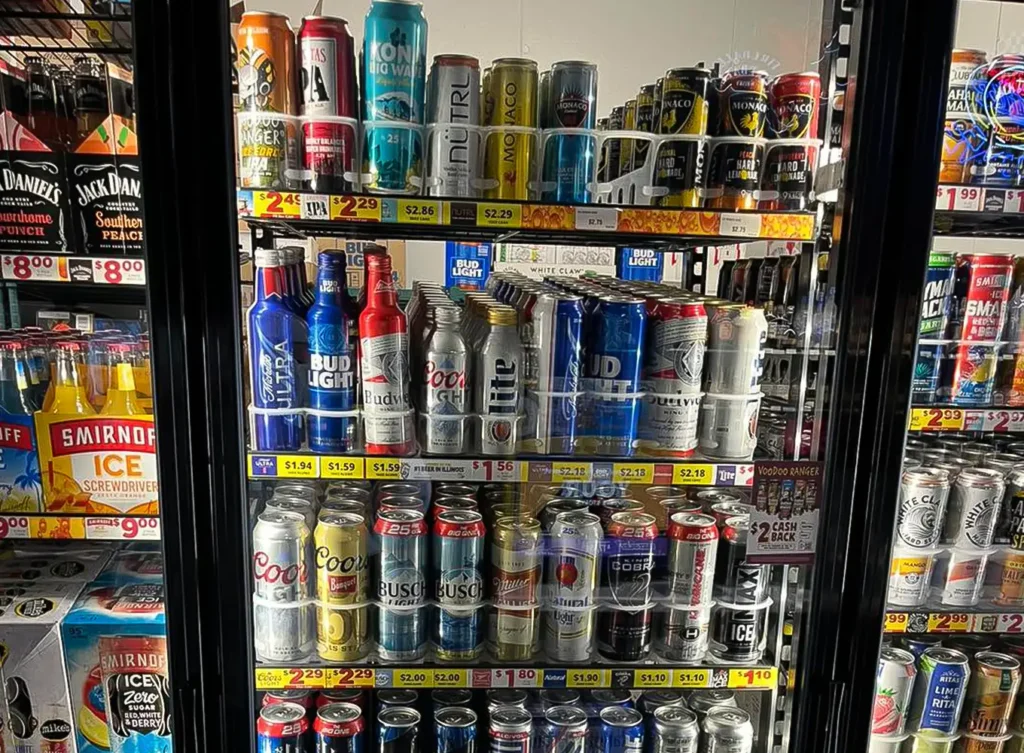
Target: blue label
(639, 264)
(467, 265)
(943, 697)
(264, 465)
(554, 678)
(21, 485)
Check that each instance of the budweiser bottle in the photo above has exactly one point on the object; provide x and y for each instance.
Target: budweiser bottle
(384, 356)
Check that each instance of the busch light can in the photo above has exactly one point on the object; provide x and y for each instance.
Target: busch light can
(445, 395)
(459, 633)
(403, 633)
(402, 561)
(569, 159)
(394, 69)
(458, 558)
(453, 160)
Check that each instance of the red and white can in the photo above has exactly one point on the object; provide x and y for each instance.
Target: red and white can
(894, 684)
(336, 723)
(677, 338)
(983, 288)
(281, 543)
(692, 547)
(341, 695)
(965, 576)
(328, 94)
(794, 100)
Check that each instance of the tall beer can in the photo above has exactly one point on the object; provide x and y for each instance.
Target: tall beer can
(402, 561)
(629, 562)
(445, 401)
(280, 542)
(1011, 588)
(894, 683)
(692, 547)
(679, 165)
(644, 123)
(341, 554)
(613, 147)
(499, 383)
(924, 493)
(628, 145)
(571, 102)
(991, 693)
(458, 558)
(962, 138)
(572, 584)
(394, 71)
(508, 154)
(974, 508)
(453, 157)
(515, 562)
(736, 341)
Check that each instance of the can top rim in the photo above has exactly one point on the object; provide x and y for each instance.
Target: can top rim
(451, 58)
(325, 18)
(522, 62)
(268, 13)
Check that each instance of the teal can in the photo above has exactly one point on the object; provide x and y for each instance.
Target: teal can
(394, 69)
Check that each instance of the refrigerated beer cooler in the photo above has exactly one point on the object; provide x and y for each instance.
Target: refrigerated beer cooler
(460, 467)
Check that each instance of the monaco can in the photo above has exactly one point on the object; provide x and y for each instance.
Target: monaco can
(568, 166)
(629, 560)
(280, 550)
(939, 692)
(458, 558)
(924, 493)
(894, 684)
(453, 107)
(339, 728)
(743, 104)
(402, 562)
(692, 546)
(679, 164)
(991, 693)
(509, 154)
(794, 100)
(515, 562)
(974, 508)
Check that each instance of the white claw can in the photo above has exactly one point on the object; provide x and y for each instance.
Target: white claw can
(965, 576)
(910, 573)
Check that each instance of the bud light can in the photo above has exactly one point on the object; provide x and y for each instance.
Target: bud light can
(569, 159)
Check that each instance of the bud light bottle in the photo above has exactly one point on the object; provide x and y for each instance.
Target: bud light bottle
(332, 374)
(277, 359)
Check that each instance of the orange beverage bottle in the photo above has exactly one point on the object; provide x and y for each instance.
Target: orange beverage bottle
(68, 385)
(122, 398)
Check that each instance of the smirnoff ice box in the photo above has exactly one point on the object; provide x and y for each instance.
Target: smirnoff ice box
(116, 657)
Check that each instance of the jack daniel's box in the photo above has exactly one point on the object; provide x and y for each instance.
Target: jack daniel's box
(33, 202)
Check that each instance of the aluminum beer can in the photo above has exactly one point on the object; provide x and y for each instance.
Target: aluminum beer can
(394, 70)
(446, 398)
(960, 132)
(677, 333)
(894, 683)
(924, 493)
(501, 698)
(568, 168)
(728, 729)
(624, 634)
(991, 693)
(459, 633)
(674, 730)
(510, 729)
(628, 144)
(453, 104)
(339, 728)
(692, 546)
(643, 122)
(499, 384)
(511, 100)
(515, 562)
(982, 290)
(738, 632)
(402, 562)
(282, 631)
(629, 561)
(974, 508)
(456, 730)
(564, 729)
(736, 580)
(342, 559)
(402, 633)
(681, 633)
(398, 730)
(679, 165)
(916, 644)
(939, 692)
(736, 342)
(281, 727)
(572, 583)
(558, 697)
(612, 148)
(458, 558)
(281, 543)
(965, 577)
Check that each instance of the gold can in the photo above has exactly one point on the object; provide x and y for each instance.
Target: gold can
(512, 100)
(679, 165)
(971, 743)
(266, 64)
(511, 633)
(342, 558)
(1011, 587)
(645, 102)
(959, 126)
(515, 561)
(626, 150)
(990, 693)
(342, 634)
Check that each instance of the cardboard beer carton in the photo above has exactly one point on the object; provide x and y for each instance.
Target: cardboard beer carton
(54, 565)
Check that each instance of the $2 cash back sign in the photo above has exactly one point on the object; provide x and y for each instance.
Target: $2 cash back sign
(784, 523)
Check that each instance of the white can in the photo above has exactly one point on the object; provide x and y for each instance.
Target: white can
(910, 572)
(728, 426)
(886, 743)
(669, 423)
(965, 577)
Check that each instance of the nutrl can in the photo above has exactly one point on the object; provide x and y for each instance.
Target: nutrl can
(621, 729)
(692, 546)
(394, 72)
(924, 493)
(328, 92)
(569, 158)
(974, 508)
(458, 558)
(991, 693)
(939, 691)
(453, 158)
(509, 149)
(963, 139)
(894, 684)
(743, 104)
(679, 163)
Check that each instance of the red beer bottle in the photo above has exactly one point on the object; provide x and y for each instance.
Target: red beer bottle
(384, 358)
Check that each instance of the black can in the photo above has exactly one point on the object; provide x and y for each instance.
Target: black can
(612, 148)
(644, 123)
(734, 172)
(624, 634)
(736, 580)
(398, 730)
(743, 101)
(788, 177)
(738, 634)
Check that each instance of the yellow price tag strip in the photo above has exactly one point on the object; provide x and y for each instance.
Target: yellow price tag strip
(896, 622)
(651, 678)
(348, 677)
(948, 622)
(697, 474)
(936, 419)
(561, 472)
(342, 467)
(282, 678)
(298, 466)
(419, 212)
(499, 215)
(276, 204)
(55, 527)
(691, 678)
(632, 473)
(382, 468)
(358, 208)
(412, 678)
(451, 678)
(587, 678)
(753, 678)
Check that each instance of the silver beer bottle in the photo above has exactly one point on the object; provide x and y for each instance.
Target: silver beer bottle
(498, 383)
(444, 378)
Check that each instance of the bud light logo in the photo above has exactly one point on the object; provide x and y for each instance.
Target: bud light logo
(639, 264)
(468, 265)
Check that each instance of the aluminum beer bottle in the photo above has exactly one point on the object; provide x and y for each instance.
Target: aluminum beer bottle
(384, 357)
(499, 383)
(445, 401)
(277, 359)
(332, 372)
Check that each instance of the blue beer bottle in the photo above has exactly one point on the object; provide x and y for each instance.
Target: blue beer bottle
(14, 389)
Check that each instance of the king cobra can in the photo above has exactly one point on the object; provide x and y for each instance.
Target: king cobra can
(509, 154)
(924, 493)
(679, 165)
(939, 692)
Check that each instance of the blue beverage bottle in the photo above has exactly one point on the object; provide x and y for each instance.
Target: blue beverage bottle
(394, 71)
(277, 358)
(569, 158)
(15, 399)
(332, 372)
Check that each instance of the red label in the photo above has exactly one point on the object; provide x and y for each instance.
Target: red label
(694, 528)
(987, 294)
(102, 435)
(460, 530)
(15, 436)
(400, 528)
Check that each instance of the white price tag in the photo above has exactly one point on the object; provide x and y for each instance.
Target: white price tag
(597, 218)
(524, 677)
(502, 678)
(974, 420)
(1003, 420)
(967, 199)
(746, 225)
(119, 271)
(944, 198)
(122, 529)
(13, 527)
(745, 475)
(314, 207)
(1010, 623)
(1014, 203)
(500, 470)
(441, 470)
(25, 267)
